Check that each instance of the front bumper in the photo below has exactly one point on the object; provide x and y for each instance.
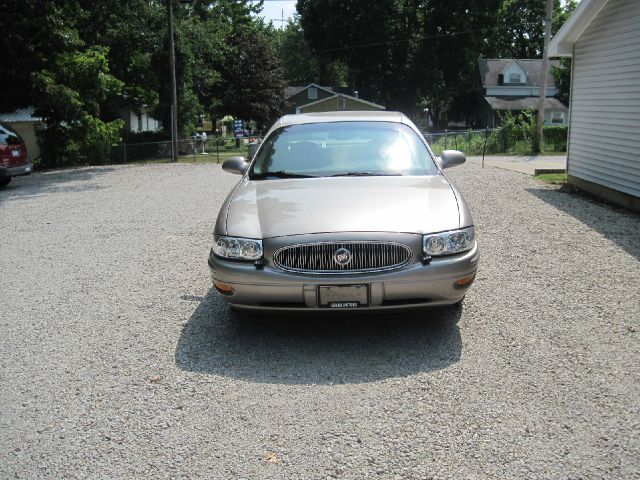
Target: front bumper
(24, 169)
(415, 285)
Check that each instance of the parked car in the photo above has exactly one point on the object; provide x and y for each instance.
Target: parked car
(14, 160)
(343, 210)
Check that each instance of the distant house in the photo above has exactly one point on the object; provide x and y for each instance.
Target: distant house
(295, 97)
(138, 119)
(314, 98)
(25, 123)
(339, 101)
(513, 85)
(603, 157)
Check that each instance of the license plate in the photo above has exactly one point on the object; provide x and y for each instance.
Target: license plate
(344, 296)
(15, 153)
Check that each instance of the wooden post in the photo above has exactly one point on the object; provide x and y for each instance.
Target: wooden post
(174, 94)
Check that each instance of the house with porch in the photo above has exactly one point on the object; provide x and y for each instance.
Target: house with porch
(510, 84)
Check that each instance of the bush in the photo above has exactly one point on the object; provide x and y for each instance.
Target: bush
(145, 137)
(95, 146)
(556, 135)
(88, 142)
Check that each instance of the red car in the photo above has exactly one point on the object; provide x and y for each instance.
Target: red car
(14, 160)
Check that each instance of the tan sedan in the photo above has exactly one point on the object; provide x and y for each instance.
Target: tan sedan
(343, 210)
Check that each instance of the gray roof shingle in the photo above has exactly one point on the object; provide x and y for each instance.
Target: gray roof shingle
(522, 103)
(491, 67)
(291, 91)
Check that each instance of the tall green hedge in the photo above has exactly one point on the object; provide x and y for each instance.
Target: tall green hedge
(556, 135)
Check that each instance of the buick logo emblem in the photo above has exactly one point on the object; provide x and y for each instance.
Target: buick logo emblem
(342, 256)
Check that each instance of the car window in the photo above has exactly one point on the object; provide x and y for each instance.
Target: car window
(341, 148)
(8, 136)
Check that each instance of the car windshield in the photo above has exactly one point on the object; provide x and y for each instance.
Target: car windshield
(8, 136)
(343, 149)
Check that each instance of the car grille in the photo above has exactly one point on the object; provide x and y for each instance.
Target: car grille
(321, 257)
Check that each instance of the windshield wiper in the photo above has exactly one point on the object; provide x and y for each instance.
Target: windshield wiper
(366, 174)
(279, 174)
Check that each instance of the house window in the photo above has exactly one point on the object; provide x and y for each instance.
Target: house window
(341, 103)
(557, 118)
(514, 78)
(312, 93)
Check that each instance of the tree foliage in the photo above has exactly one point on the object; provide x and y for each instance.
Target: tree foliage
(299, 65)
(562, 72)
(408, 55)
(80, 61)
(373, 40)
(253, 76)
(69, 96)
(413, 55)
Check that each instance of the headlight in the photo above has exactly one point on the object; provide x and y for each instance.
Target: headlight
(446, 243)
(237, 248)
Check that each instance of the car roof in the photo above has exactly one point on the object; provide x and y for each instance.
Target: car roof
(342, 116)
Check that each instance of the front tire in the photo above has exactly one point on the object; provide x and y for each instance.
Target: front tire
(5, 181)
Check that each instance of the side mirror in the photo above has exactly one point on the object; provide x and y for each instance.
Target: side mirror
(237, 165)
(451, 158)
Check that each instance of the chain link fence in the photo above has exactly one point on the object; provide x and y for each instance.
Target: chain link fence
(191, 149)
(471, 142)
(495, 141)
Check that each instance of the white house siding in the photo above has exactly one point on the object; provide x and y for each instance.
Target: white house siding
(514, 67)
(604, 138)
(142, 122)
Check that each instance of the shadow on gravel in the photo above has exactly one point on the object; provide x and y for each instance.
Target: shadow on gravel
(618, 225)
(316, 349)
(41, 183)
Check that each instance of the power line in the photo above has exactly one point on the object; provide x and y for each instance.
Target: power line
(423, 37)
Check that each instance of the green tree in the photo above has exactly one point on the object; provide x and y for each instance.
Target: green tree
(33, 33)
(254, 87)
(299, 65)
(562, 76)
(69, 98)
(374, 41)
(132, 31)
(454, 33)
(521, 27)
(408, 55)
(522, 35)
(562, 73)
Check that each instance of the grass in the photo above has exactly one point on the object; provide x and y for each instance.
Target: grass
(553, 178)
(209, 157)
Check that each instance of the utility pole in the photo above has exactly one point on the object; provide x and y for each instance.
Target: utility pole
(544, 72)
(174, 95)
(281, 20)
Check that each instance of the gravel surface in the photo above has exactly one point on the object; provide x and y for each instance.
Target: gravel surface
(117, 360)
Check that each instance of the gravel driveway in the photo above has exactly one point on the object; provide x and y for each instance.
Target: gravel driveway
(118, 361)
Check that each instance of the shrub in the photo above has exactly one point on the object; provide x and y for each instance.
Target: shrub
(144, 137)
(556, 135)
(95, 146)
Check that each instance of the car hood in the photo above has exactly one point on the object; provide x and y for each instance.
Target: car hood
(272, 208)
